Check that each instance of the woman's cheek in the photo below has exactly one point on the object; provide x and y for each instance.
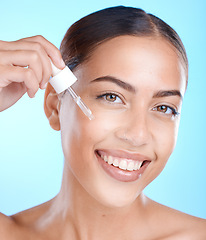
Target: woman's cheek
(166, 141)
(99, 128)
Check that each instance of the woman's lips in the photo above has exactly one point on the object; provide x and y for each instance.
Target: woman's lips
(122, 166)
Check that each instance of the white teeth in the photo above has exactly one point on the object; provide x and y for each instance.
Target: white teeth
(110, 160)
(125, 164)
(137, 165)
(116, 163)
(105, 158)
(130, 166)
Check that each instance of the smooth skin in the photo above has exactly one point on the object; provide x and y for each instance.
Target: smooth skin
(25, 67)
(91, 204)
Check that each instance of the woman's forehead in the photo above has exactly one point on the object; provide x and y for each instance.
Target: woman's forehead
(134, 58)
(138, 46)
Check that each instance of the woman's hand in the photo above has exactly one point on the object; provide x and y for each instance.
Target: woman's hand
(25, 67)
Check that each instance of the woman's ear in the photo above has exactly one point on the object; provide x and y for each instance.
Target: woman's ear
(51, 107)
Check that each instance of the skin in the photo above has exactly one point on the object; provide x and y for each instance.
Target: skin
(91, 204)
(141, 124)
(15, 78)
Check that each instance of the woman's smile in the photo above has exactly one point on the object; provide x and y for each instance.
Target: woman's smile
(132, 72)
(134, 88)
(122, 166)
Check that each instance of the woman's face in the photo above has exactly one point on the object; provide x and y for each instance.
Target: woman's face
(134, 87)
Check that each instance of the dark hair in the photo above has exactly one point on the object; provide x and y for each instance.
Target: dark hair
(87, 33)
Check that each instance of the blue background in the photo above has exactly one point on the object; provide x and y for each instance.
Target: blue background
(31, 159)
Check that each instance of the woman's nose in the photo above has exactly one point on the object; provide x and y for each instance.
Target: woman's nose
(135, 130)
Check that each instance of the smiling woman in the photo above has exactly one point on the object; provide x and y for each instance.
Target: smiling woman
(128, 125)
(132, 72)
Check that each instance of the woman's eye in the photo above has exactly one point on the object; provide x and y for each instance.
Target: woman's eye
(110, 97)
(166, 110)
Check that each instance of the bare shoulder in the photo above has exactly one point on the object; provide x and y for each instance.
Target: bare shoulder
(192, 227)
(27, 218)
(20, 225)
(176, 225)
(7, 227)
(28, 222)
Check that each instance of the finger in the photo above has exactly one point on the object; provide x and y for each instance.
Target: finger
(45, 49)
(38, 47)
(10, 74)
(52, 51)
(22, 58)
(11, 95)
(32, 46)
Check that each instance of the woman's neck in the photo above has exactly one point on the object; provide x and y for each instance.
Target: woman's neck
(77, 213)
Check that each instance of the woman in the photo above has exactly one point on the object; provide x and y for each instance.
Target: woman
(132, 72)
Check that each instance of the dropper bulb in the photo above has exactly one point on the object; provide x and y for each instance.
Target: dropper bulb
(62, 79)
(55, 70)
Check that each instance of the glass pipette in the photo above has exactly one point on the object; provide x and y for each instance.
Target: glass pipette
(62, 80)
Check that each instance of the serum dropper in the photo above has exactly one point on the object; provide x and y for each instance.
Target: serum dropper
(62, 80)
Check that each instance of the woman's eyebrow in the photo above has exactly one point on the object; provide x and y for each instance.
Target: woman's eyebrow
(130, 88)
(117, 81)
(167, 93)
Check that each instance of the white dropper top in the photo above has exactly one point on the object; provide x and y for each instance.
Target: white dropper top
(62, 80)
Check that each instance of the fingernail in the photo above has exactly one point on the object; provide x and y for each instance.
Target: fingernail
(62, 63)
(31, 95)
(44, 86)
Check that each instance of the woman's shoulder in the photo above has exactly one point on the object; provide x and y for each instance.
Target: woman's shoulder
(8, 229)
(22, 225)
(188, 227)
(174, 224)
(29, 218)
